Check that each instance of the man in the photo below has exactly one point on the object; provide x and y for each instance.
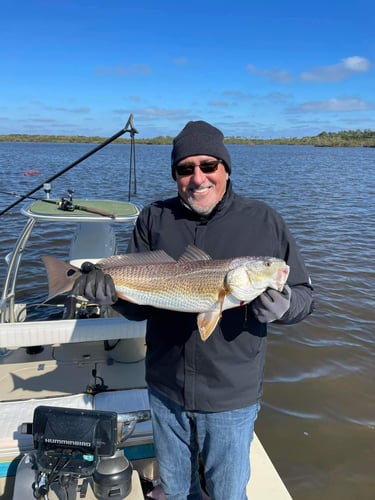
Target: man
(205, 396)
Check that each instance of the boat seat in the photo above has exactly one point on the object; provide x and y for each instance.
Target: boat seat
(14, 413)
(123, 402)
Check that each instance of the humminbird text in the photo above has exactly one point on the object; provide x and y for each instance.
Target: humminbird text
(67, 442)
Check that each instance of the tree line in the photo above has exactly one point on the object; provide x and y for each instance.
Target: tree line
(344, 138)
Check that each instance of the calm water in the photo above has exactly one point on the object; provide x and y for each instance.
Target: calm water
(318, 417)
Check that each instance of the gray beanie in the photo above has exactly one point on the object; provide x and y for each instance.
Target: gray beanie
(199, 138)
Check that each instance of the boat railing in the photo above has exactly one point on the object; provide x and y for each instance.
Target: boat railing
(14, 335)
(7, 304)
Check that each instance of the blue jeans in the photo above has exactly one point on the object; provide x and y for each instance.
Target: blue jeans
(221, 439)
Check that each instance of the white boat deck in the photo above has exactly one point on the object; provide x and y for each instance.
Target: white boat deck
(63, 371)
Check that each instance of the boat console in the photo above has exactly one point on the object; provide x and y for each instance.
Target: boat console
(94, 237)
(77, 448)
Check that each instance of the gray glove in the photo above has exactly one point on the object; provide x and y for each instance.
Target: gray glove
(271, 305)
(96, 286)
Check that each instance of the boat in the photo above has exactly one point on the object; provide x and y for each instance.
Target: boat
(31, 172)
(74, 414)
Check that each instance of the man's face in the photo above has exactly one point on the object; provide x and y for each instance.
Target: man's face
(201, 191)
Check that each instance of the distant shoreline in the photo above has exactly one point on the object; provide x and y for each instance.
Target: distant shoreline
(347, 138)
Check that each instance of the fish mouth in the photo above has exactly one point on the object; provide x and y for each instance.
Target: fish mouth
(281, 277)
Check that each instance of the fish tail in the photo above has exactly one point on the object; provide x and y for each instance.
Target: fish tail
(61, 276)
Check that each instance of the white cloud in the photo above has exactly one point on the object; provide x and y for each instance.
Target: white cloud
(337, 72)
(357, 64)
(218, 103)
(276, 74)
(332, 105)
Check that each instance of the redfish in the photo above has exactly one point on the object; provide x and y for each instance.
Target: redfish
(195, 283)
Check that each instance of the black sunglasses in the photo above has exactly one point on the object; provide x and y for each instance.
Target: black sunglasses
(207, 167)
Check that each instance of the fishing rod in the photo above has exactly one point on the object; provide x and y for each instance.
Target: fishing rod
(129, 127)
(66, 203)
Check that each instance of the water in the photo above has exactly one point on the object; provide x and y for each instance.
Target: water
(318, 418)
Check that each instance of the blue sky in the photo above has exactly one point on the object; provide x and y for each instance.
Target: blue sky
(254, 69)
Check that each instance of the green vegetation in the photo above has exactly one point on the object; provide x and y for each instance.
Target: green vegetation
(345, 138)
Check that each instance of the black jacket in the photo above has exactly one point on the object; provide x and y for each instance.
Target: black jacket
(226, 371)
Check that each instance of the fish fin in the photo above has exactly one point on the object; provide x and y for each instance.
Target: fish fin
(193, 253)
(222, 294)
(207, 322)
(61, 276)
(131, 259)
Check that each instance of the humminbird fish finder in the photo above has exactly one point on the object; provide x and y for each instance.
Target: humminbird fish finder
(75, 449)
(73, 438)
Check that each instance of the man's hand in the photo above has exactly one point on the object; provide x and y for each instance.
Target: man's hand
(271, 305)
(96, 286)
